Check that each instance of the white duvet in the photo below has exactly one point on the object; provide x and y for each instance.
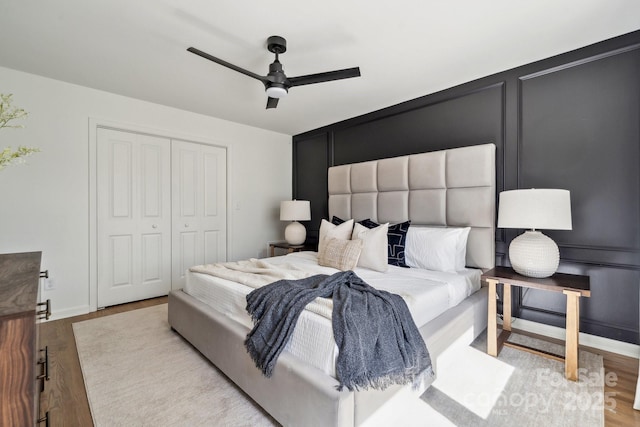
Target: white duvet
(427, 294)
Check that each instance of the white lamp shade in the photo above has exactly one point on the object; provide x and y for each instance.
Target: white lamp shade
(545, 209)
(295, 210)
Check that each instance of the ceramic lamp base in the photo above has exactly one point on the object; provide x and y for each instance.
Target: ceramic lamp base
(533, 254)
(295, 233)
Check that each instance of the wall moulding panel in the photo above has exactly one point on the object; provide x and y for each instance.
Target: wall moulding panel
(311, 158)
(576, 128)
(570, 121)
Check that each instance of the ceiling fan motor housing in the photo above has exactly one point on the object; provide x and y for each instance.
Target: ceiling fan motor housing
(277, 44)
(276, 73)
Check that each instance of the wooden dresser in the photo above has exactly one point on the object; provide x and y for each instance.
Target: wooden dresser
(23, 366)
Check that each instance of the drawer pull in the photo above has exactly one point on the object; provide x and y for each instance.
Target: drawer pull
(44, 274)
(44, 419)
(45, 362)
(46, 313)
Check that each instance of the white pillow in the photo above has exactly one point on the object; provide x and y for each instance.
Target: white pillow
(434, 248)
(329, 230)
(461, 249)
(374, 250)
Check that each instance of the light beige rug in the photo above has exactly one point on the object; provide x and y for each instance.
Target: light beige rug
(518, 388)
(138, 372)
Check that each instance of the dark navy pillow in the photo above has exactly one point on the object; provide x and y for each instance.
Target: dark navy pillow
(336, 221)
(396, 238)
(368, 223)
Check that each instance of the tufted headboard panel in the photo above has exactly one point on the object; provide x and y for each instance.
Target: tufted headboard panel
(448, 188)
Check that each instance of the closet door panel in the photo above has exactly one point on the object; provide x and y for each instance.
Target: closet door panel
(134, 222)
(212, 245)
(214, 219)
(152, 263)
(199, 207)
(187, 255)
(121, 183)
(121, 273)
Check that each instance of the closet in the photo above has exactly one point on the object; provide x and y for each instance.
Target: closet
(161, 208)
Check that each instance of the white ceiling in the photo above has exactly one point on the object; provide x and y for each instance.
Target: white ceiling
(405, 48)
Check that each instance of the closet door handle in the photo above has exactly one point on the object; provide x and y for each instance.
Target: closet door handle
(154, 226)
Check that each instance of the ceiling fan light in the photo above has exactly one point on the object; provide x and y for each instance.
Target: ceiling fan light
(276, 92)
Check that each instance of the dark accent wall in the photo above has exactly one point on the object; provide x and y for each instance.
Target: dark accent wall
(571, 121)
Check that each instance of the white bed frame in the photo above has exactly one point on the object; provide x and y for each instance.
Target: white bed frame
(444, 188)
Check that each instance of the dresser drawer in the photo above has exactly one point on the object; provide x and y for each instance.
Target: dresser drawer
(21, 374)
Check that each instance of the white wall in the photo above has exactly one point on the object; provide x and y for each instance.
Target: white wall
(44, 205)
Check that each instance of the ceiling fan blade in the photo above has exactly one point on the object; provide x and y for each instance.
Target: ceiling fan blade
(272, 102)
(226, 64)
(347, 73)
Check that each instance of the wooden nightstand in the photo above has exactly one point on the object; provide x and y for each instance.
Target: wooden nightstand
(573, 286)
(289, 248)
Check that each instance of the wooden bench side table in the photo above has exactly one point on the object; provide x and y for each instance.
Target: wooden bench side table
(573, 286)
(290, 248)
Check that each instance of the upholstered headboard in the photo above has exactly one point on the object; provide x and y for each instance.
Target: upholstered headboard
(455, 188)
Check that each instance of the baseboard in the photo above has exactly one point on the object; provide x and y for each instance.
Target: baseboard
(606, 344)
(69, 312)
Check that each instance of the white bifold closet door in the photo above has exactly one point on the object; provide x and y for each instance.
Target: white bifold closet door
(199, 213)
(161, 208)
(133, 216)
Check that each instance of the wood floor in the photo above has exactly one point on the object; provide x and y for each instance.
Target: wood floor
(66, 400)
(64, 396)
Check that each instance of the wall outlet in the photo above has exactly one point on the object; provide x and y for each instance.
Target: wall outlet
(49, 284)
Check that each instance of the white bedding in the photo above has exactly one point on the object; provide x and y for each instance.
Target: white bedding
(427, 294)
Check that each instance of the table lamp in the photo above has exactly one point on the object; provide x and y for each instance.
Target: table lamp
(532, 253)
(295, 210)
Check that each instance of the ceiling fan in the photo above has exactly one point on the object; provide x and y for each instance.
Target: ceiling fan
(276, 83)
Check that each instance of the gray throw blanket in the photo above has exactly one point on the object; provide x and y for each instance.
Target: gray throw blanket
(378, 341)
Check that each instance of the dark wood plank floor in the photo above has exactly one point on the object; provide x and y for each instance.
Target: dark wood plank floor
(64, 396)
(623, 393)
(66, 400)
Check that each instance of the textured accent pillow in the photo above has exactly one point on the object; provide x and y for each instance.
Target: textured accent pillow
(396, 239)
(340, 254)
(374, 249)
(440, 249)
(328, 230)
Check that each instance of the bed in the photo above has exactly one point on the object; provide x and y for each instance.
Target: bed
(448, 188)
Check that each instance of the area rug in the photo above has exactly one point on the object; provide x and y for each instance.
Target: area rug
(138, 372)
(517, 388)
